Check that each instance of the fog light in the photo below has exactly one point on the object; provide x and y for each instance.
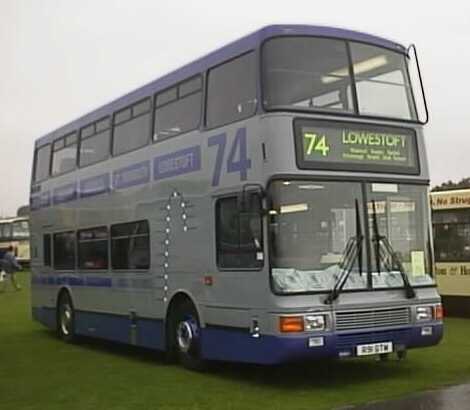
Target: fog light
(315, 341)
(426, 331)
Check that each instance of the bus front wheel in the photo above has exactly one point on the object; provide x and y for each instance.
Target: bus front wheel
(185, 332)
(65, 318)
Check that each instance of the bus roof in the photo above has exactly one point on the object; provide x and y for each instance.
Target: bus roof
(214, 58)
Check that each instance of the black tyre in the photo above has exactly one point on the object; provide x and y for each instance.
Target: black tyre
(65, 318)
(185, 336)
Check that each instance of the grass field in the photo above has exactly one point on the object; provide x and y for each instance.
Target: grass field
(37, 371)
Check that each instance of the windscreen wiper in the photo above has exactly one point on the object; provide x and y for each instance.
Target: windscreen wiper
(383, 247)
(352, 251)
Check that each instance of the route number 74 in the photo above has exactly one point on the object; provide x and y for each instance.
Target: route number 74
(237, 160)
(316, 144)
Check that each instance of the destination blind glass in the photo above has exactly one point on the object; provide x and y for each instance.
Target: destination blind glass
(349, 146)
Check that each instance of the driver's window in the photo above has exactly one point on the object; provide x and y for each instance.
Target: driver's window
(239, 235)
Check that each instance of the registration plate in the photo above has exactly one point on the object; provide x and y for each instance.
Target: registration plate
(374, 348)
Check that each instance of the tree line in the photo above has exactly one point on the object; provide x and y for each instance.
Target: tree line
(449, 185)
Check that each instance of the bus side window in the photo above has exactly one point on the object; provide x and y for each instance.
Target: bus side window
(131, 127)
(178, 109)
(239, 237)
(42, 160)
(64, 251)
(231, 91)
(46, 246)
(130, 246)
(64, 155)
(93, 248)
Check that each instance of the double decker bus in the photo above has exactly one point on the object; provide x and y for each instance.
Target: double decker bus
(451, 229)
(266, 203)
(15, 232)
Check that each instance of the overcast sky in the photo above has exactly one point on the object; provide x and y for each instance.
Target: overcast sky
(61, 59)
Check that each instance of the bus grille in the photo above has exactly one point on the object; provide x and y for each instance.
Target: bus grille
(365, 319)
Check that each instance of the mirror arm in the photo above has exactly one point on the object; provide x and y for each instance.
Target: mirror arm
(242, 197)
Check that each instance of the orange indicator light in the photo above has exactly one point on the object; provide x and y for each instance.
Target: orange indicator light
(291, 324)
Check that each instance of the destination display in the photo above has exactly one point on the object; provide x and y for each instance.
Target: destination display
(355, 147)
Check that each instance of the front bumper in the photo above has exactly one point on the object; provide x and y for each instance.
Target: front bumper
(238, 345)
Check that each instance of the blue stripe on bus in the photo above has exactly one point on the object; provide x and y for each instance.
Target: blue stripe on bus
(96, 185)
(177, 163)
(240, 346)
(98, 282)
(150, 333)
(40, 201)
(135, 174)
(65, 193)
(45, 315)
(235, 344)
(92, 281)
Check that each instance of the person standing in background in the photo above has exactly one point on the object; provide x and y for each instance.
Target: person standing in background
(10, 266)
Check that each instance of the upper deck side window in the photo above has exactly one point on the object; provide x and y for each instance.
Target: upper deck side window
(231, 91)
(132, 127)
(95, 142)
(42, 161)
(178, 109)
(337, 76)
(64, 154)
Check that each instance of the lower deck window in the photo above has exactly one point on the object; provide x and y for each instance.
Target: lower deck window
(93, 248)
(130, 245)
(47, 249)
(64, 251)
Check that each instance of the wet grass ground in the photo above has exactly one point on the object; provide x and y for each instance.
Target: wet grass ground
(37, 371)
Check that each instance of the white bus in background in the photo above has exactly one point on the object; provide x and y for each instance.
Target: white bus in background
(15, 232)
(451, 228)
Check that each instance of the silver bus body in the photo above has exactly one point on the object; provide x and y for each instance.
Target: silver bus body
(174, 185)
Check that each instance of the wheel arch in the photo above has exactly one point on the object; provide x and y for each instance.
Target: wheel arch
(178, 297)
(64, 290)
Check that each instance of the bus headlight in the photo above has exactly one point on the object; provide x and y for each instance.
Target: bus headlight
(304, 323)
(314, 323)
(424, 313)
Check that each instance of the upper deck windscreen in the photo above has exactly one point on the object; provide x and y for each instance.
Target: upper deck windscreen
(336, 76)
